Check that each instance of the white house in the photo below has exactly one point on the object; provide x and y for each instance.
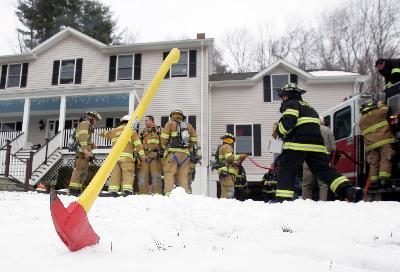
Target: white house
(44, 92)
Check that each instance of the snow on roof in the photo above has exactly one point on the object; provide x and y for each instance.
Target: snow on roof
(326, 73)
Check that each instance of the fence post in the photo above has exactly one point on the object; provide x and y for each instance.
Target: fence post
(8, 159)
(47, 149)
(28, 172)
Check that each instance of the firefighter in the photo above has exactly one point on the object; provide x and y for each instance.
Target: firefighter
(308, 178)
(83, 153)
(390, 70)
(299, 127)
(123, 173)
(151, 168)
(378, 139)
(178, 138)
(228, 169)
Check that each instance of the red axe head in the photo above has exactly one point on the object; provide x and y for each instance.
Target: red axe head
(72, 224)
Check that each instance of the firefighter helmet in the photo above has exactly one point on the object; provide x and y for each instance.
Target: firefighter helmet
(228, 135)
(367, 106)
(290, 88)
(177, 112)
(93, 114)
(125, 119)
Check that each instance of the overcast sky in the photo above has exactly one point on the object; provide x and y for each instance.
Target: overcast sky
(157, 20)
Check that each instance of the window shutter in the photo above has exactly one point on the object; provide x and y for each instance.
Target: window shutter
(293, 78)
(56, 69)
(138, 67)
(3, 76)
(230, 129)
(78, 71)
(19, 126)
(257, 139)
(267, 88)
(165, 54)
(192, 63)
(164, 120)
(113, 68)
(24, 76)
(192, 120)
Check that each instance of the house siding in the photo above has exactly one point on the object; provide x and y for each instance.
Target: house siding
(244, 105)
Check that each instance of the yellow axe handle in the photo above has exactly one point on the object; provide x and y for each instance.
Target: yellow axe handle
(91, 192)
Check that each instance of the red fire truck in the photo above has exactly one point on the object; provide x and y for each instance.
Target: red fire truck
(343, 120)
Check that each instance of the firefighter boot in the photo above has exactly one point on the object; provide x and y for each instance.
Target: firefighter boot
(353, 194)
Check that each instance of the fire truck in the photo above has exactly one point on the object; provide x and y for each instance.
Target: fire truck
(350, 155)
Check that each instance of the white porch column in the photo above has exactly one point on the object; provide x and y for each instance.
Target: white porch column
(131, 106)
(61, 120)
(25, 119)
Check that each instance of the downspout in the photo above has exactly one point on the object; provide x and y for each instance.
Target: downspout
(209, 137)
(202, 112)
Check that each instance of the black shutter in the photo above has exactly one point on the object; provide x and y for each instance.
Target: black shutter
(56, 69)
(257, 140)
(113, 69)
(164, 120)
(3, 76)
(138, 67)
(267, 89)
(293, 78)
(24, 76)
(19, 126)
(230, 129)
(109, 122)
(78, 71)
(192, 120)
(192, 63)
(165, 54)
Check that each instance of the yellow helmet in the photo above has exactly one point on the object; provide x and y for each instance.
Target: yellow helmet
(93, 114)
(177, 112)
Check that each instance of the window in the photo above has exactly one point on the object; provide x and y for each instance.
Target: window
(9, 126)
(342, 123)
(248, 138)
(164, 120)
(277, 82)
(181, 68)
(112, 122)
(192, 120)
(14, 75)
(125, 67)
(71, 123)
(67, 71)
(327, 121)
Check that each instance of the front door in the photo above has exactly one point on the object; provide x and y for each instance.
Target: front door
(52, 128)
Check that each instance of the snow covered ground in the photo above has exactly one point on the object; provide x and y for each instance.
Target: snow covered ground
(196, 233)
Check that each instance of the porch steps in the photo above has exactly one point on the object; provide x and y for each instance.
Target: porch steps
(45, 167)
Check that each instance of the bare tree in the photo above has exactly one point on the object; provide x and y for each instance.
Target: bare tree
(129, 36)
(239, 44)
(219, 64)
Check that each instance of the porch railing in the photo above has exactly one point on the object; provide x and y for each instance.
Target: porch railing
(41, 156)
(8, 135)
(99, 141)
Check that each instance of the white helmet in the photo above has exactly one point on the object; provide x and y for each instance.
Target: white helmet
(126, 118)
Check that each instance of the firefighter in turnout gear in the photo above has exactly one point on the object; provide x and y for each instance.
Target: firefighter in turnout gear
(302, 141)
(390, 70)
(178, 139)
(228, 169)
(378, 139)
(84, 153)
(123, 173)
(151, 167)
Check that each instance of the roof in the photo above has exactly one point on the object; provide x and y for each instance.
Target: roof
(250, 78)
(232, 76)
(106, 49)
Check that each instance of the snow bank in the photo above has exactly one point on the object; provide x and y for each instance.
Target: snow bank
(196, 233)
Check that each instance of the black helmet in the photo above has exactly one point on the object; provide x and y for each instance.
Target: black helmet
(290, 89)
(367, 106)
